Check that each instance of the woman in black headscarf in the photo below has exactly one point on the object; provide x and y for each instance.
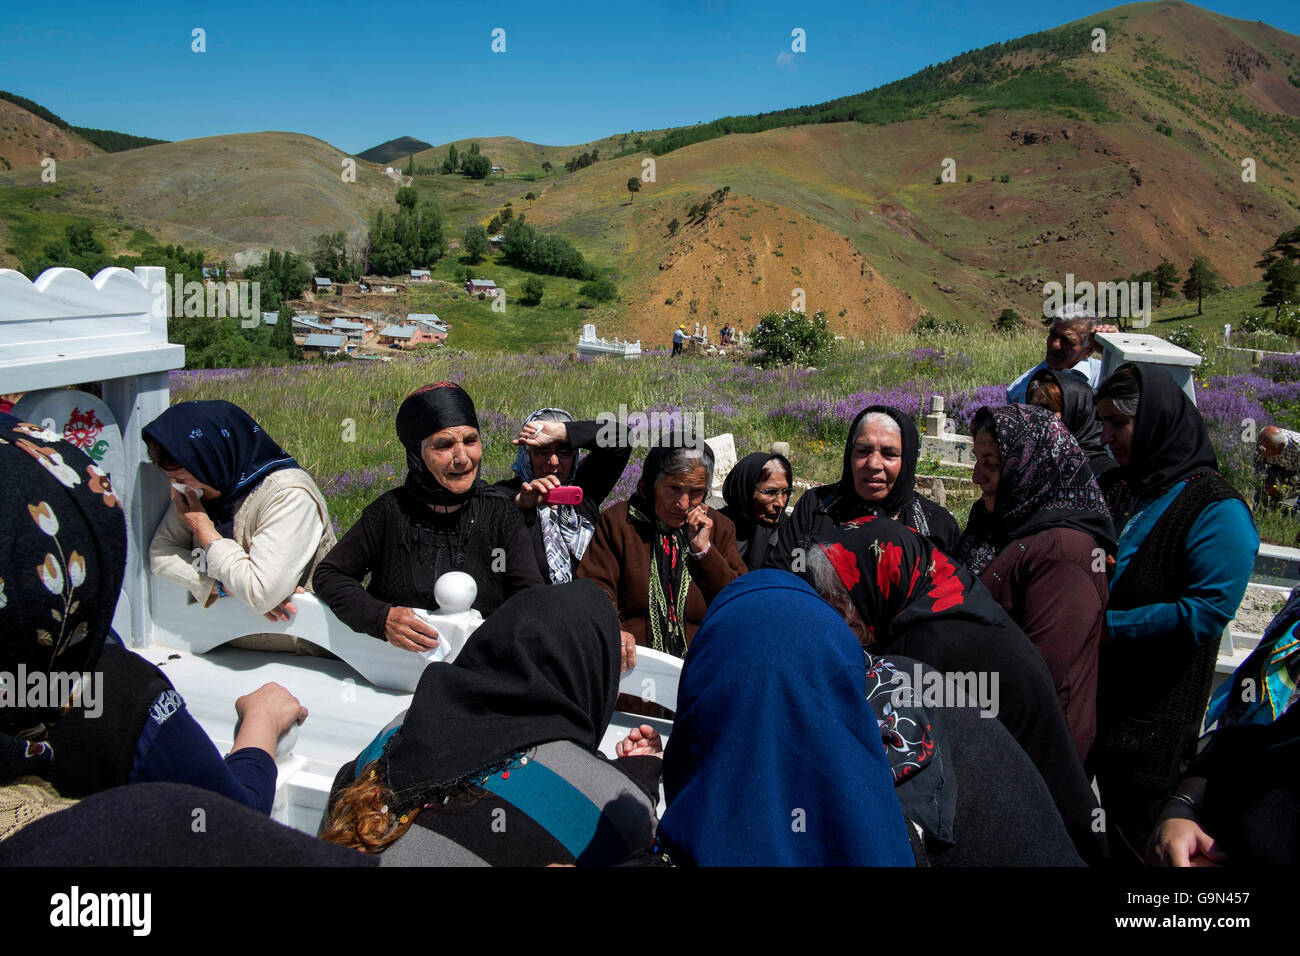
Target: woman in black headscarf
(1187, 546)
(261, 522)
(902, 595)
(78, 714)
(757, 490)
(444, 518)
(879, 478)
(1038, 540)
(496, 760)
(1068, 395)
(548, 447)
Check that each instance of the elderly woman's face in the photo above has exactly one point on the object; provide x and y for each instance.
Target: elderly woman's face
(452, 457)
(675, 495)
(876, 459)
(552, 460)
(771, 494)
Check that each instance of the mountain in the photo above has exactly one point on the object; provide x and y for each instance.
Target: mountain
(1067, 159)
(234, 196)
(401, 147)
(26, 138)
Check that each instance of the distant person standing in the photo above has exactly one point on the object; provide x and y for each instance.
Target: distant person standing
(679, 339)
(724, 337)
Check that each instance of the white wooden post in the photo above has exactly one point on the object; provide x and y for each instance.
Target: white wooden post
(66, 329)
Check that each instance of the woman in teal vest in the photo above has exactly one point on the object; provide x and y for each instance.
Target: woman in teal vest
(1186, 548)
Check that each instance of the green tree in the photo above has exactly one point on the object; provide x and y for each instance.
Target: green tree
(407, 197)
(410, 165)
(546, 167)
(1276, 263)
(494, 225)
(329, 255)
(531, 196)
(533, 290)
(282, 334)
(1283, 278)
(78, 249)
(1201, 281)
(475, 243)
(599, 290)
(634, 187)
(476, 165)
(1166, 282)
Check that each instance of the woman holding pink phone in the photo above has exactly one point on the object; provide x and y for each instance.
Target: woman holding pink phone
(559, 496)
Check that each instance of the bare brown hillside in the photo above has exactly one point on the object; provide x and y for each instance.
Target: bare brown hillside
(26, 139)
(749, 257)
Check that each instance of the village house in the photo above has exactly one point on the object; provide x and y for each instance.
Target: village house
(323, 284)
(421, 275)
(496, 240)
(405, 336)
(306, 324)
(484, 287)
(427, 321)
(355, 331)
(270, 318)
(322, 344)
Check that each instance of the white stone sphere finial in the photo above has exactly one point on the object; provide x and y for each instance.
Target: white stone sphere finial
(455, 591)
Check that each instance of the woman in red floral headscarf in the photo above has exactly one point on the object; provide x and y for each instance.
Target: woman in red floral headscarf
(901, 595)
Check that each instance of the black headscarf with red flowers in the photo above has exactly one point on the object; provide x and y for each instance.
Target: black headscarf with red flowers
(61, 567)
(898, 579)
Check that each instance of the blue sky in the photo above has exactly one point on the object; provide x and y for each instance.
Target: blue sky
(570, 73)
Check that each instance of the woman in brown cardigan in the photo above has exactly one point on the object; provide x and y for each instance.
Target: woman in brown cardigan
(662, 555)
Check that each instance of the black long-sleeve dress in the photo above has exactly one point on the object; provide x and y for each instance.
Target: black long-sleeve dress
(405, 547)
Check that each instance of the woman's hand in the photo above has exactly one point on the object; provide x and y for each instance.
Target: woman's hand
(285, 609)
(195, 518)
(642, 741)
(542, 434)
(405, 630)
(531, 492)
(265, 715)
(1179, 842)
(699, 528)
(627, 654)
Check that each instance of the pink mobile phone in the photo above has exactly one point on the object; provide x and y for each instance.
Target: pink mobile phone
(563, 495)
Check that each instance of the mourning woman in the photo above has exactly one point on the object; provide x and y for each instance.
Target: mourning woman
(61, 574)
(444, 518)
(663, 555)
(1038, 540)
(878, 478)
(496, 762)
(1186, 550)
(778, 757)
(548, 447)
(261, 522)
(1069, 397)
(757, 490)
(902, 596)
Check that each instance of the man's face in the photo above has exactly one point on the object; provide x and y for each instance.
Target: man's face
(1068, 344)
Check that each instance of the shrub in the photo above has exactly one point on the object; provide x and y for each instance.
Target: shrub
(786, 338)
(534, 288)
(928, 325)
(602, 290)
(1008, 322)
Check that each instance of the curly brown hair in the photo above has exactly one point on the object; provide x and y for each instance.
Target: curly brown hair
(360, 817)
